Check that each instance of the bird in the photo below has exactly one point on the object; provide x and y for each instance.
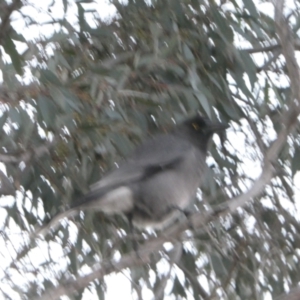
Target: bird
(157, 181)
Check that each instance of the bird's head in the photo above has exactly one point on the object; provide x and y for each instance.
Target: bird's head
(199, 129)
(203, 125)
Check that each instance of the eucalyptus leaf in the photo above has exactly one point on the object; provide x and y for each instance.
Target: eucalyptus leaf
(48, 77)
(3, 119)
(11, 50)
(47, 109)
(295, 163)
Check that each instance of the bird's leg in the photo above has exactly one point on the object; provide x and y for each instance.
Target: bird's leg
(135, 244)
(185, 212)
(188, 214)
(220, 209)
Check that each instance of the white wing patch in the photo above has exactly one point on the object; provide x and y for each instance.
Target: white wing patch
(119, 200)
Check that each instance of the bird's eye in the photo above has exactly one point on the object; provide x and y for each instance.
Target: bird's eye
(196, 126)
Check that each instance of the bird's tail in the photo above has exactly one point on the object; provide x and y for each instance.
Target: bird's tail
(115, 201)
(83, 203)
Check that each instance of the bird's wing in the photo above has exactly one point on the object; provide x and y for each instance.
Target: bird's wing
(150, 157)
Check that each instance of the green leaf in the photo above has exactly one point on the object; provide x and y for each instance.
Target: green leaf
(3, 119)
(249, 67)
(248, 35)
(30, 218)
(188, 260)
(257, 29)
(145, 60)
(218, 265)
(65, 4)
(229, 109)
(187, 53)
(10, 49)
(204, 102)
(71, 99)
(58, 98)
(27, 177)
(46, 76)
(101, 33)
(249, 5)
(14, 115)
(190, 100)
(238, 77)
(14, 213)
(61, 60)
(209, 184)
(224, 29)
(67, 120)
(122, 143)
(176, 69)
(296, 161)
(137, 273)
(26, 127)
(113, 115)
(47, 109)
(15, 36)
(74, 260)
(215, 81)
(155, 29)
(178, 289)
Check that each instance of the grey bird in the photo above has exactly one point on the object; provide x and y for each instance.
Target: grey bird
(157, 181)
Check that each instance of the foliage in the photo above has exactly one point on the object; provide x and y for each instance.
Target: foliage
(80, 98)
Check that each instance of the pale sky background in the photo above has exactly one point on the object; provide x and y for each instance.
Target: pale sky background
(118, 286)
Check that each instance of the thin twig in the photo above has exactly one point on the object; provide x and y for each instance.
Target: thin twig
(26, 156)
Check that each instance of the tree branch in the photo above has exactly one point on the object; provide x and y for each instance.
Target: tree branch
(172, 234)
(293, 294)
(5, 24)
(26, 156)
(271, 48)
